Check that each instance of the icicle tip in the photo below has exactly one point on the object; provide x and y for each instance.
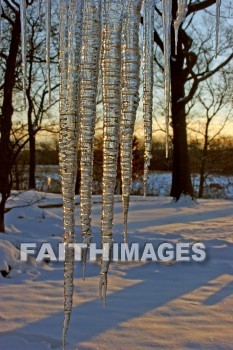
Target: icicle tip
(103, 288)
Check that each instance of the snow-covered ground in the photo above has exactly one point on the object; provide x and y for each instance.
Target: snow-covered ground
(158, 184)
(172, 306)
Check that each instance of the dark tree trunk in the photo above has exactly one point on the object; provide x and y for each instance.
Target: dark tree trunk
(6, 152)
(2, 212)
(181, 177)
(32, 144)
(203, 161)
(31, 129)
(202, 180)
(17, 177)
(32, 162)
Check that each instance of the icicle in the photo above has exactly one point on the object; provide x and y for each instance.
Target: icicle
(48, 33)
(39, 8)
(70, 27)
(63, 152)
(111, 74)
(180, 17)
(130, 67)
(167, 19)
(107, 244)
(89, 65)
(148, 59)
(218, 5)
(0, 19)
(23, 45)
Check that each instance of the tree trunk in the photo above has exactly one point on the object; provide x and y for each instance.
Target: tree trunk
(202, 180)
(2, 213)
(32, 161)
(31, 128)
(181, 177)
(17, 177)
(203, 162)
(6, 151)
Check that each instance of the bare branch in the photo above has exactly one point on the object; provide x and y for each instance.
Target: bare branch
(198, 6)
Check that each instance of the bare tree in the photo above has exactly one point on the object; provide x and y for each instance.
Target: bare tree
(13, 137)
(11, 14)
(37, 88)
(214, 101)
(194, 64)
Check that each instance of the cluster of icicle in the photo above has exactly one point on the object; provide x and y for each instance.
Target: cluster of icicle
(93, 34)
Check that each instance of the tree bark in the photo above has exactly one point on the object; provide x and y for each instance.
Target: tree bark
(202, 178)
(6, 151)
(181, 177)
(203, 161)
(31, 130)
(2, 212)
(32, 161)
(32, 145)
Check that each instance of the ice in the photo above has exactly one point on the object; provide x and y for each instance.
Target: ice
(180, 17)
(0, 19)
(48, 34)
(89, 66)
(23, 45)
(80, 39)
(111, 78)
(130, 98)
(218, 5)
(39, 8)
(148, 59)
(69, 58)
(167, 18)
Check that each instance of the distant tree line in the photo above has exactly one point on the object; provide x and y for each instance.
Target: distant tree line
(218, 161)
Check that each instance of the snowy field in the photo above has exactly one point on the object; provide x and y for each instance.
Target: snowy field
(158, 184)
(172, 306)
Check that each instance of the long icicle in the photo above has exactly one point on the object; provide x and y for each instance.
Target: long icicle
(180, 17)
(218, 5)
(111, 75)
(0, 19)
(148, 59)
(167, 19)
(23, 6)
(130, 67)
(63, 151)
(39, 8)
(48, 34)
(89, 66)
(69, 53)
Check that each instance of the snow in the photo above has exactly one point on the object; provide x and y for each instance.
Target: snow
(149, 305)
(10, 263)
(9, 255)
(185, 201)
(158, 183)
